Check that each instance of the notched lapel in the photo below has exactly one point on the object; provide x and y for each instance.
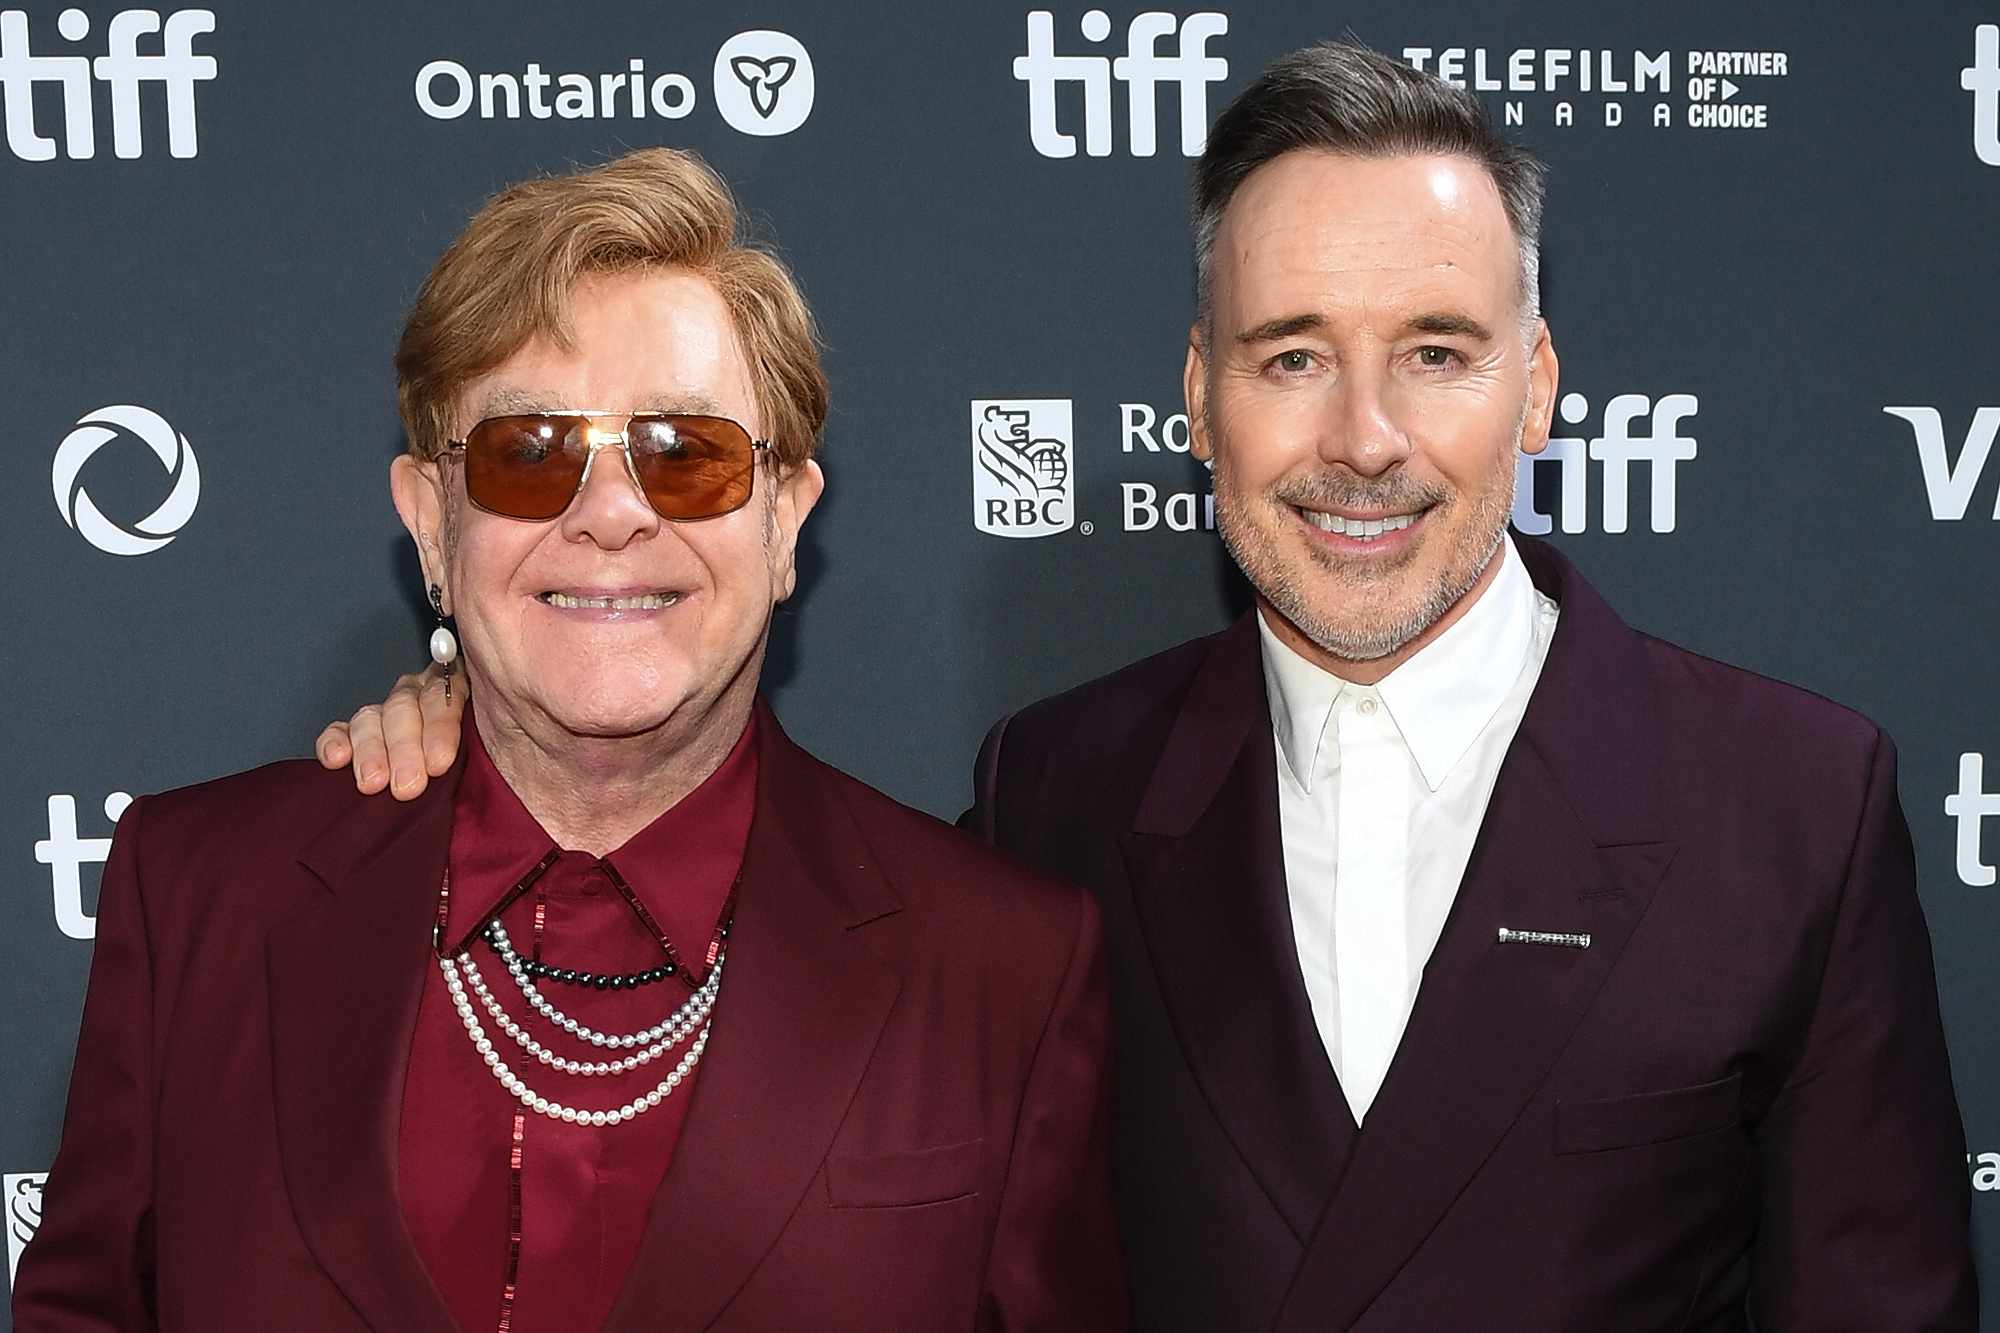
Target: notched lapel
(1206, 862)
(345, 977)
(802, 1005)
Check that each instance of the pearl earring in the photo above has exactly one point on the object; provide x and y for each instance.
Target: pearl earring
(444, 644)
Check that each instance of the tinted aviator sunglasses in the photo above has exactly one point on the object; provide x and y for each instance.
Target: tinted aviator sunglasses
(531, 465)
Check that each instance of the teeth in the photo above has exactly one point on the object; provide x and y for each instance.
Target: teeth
(652, 601)
(1361, 529)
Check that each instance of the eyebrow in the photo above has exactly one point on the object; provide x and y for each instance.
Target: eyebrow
(1442, 323)
(1285, 326)
(1450, 324)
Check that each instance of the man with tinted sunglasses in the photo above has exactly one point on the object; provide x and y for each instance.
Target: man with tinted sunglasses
(641, 1017)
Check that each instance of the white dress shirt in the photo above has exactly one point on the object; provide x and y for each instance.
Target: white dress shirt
(1381, 791)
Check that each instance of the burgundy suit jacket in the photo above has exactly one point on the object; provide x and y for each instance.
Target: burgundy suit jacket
(1733, 1105)
(899, 1124)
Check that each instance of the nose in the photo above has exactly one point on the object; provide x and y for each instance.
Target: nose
(609, 510)
(1360, 428)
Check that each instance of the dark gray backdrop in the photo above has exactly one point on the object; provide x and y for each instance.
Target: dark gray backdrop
(1795, 279)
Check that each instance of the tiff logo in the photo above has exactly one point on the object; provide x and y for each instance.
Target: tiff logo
(123, 68)
(65, 855)
(1660, 446)
(1142, 69)
(1982, 79)
(1949, 485)
(1970, 807)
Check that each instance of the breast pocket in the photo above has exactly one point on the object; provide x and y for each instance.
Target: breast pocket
(1648, 1117)
(902, 1179)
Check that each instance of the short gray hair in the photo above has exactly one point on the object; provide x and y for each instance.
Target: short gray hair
(1340, 97)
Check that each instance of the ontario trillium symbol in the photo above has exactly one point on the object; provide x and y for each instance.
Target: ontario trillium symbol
(1023, 465)
(763, 78)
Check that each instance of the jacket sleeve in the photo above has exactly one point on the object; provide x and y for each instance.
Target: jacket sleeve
(90, 1266)
(1055, 1261)
(1862, 1157)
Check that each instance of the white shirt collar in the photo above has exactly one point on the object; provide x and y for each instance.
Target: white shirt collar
(1440, 700)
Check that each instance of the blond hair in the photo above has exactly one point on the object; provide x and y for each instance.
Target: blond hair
(508, 278)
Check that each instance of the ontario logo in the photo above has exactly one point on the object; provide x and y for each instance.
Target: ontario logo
(762, 81)
(1023, 478)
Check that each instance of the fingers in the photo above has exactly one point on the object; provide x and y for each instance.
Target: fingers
(403, 742)
(443, 718)
(403, 738)
(366, 752)
(332, 748)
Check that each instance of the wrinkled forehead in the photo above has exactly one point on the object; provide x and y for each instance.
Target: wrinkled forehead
(499, 398)
(660, 340)
(1314, 228)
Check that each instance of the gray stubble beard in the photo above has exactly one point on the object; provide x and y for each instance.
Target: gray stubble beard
(1256, 552)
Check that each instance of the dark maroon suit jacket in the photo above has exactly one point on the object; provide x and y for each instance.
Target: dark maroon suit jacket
(1734, 1104)
(899, 1124)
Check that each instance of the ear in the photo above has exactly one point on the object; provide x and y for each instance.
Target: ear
(1543, 375)
(797, 492)
(1194, 391)
(419, 492)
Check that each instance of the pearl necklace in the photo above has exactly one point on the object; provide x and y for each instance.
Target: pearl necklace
(515, 969)
(704, 1002)
(527, 1096)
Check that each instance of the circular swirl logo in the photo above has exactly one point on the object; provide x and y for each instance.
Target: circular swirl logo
(156, 529)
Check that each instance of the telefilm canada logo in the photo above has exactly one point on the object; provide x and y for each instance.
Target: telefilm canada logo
(761, 80)
(1023, 473)
(123, 68)
(1564, 86)
(1143, 69)
(24, 1213)
(1639, 433)
(66, 854)
(106, 425)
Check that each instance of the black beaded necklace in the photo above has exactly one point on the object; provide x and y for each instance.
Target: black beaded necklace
(570, 976)
(539, 970)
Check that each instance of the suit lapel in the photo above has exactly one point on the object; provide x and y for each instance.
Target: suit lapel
(1572, 841)
(344, 978)
(1208, 884)
(802, 1004)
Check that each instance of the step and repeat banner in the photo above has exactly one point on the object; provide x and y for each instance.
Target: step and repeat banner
(1769, 268)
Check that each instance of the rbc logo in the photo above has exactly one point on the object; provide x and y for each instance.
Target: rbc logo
(177, 68)
(1142, 69)
(158, 528)
(24, 1213)
(1661, 446)
(1022, 482)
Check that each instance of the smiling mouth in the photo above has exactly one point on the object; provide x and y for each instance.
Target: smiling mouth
(1358, 529)
(651, 601)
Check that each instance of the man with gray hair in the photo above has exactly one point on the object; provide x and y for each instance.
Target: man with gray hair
(1478, 962)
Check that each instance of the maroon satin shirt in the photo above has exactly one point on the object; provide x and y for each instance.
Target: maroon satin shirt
(585, 1192)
